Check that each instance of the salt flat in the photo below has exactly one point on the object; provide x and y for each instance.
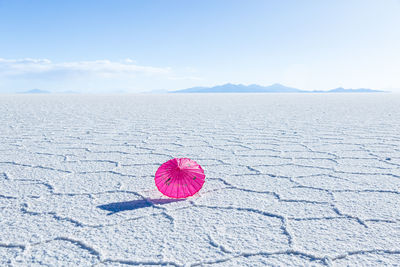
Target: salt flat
(291, 179)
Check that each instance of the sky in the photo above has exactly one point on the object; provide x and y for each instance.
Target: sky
(138, 46)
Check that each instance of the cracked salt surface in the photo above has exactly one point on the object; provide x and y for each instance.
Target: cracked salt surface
(290, 180)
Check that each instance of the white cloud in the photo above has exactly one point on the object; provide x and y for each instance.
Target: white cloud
(17, 75)
(177, 78)
(15, 67)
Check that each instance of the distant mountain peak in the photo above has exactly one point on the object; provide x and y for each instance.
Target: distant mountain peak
(240, 88)
(274, 88)
(359, 90)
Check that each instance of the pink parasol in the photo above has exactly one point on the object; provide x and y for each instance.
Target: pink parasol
(179, 178)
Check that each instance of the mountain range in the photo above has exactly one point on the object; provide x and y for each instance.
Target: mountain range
(274, 88)
(234, 88)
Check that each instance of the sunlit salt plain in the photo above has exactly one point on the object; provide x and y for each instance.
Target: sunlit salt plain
(291, 179)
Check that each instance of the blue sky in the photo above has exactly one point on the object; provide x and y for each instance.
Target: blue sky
(137, 46)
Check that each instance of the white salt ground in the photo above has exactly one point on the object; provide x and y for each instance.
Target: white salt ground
(291, 179)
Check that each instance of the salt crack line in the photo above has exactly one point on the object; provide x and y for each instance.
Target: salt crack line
(317, 218)
(11, 245)
(81, 245)
(283, 219)
(7, 197)
(382, 220)
(338, 212)
(140, 263)
(305, 201)
(34, 166)
(49, 154)
(324, 259)
(230, 186)
(365, 191)
(116, 163)
(52, 214)
(99, 193)
(108, 171)
(276, 195)
(215, 244)
(5, 175)
(218, 160)
(369, 173)
(77, 223)
(141, 164)
(253, 170)
(360, 252)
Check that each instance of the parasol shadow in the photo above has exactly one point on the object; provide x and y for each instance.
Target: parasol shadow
(135, 204)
